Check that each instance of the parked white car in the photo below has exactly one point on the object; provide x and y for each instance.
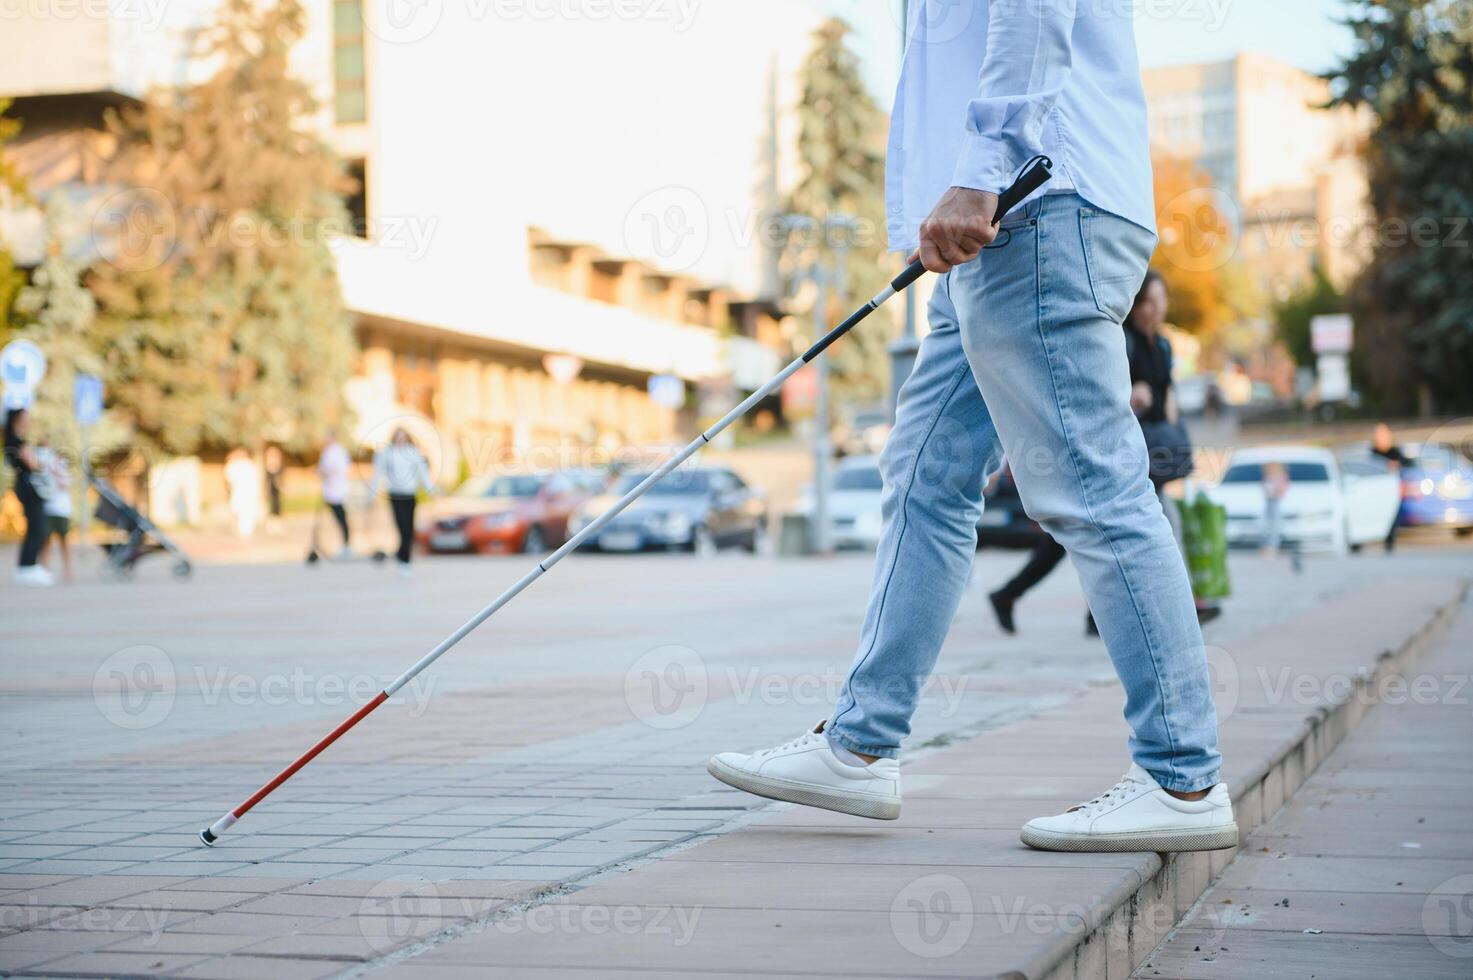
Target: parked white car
(1328, 507)
(854, 502)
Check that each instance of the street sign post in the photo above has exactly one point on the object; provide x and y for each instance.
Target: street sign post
(1332, 338)
(87, 394)
(22, 366)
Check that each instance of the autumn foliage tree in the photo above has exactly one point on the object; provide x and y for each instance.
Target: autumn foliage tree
(1196, 248)
(219, 307)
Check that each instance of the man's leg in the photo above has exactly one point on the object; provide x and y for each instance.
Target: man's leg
(935, 463)
(1040, 319)
(941, 448)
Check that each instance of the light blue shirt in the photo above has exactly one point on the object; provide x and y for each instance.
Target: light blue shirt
(988, 84)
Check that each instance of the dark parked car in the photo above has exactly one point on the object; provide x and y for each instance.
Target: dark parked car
(1004, 523)
(1436, 488)
(699, 509)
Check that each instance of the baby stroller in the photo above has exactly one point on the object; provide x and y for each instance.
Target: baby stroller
(140, 536)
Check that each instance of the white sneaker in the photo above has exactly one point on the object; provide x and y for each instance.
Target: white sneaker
(404, 570)
(1138, 815)
(34, 576)
(806, 771)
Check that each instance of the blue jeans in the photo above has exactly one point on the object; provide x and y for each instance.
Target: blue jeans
(1026, 359)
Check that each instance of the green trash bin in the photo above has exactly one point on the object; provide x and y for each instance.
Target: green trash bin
(1204, 536)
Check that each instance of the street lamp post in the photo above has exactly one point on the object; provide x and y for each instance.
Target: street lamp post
(820, 532)
(836, 233)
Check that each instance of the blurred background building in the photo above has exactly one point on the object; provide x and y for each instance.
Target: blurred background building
(1289, 166)
(518, 283)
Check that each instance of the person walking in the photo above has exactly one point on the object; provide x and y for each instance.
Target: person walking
(27, 472)
(244, 484)
(334, 467)
(1153, 399)
(401, 469)
(57, 504)
(1384, 445)
(1025, 359)
(274, 466)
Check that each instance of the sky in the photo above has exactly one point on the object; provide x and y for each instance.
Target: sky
(1168, 32)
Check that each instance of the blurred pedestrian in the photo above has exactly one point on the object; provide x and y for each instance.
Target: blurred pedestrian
(58, 506)
(275, 465)
(23, 463)
(1275, 489)
(1153, 398)
(1043, 559)
(401, 469)
(1384, 445)
(333, 468)
(244, 482)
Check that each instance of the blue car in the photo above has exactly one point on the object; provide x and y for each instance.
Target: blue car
(1436, 488)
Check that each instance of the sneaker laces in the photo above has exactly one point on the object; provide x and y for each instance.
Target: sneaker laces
(1127, 787)
(787, 745)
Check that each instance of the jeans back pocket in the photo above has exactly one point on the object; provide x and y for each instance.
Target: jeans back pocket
(1116, 254)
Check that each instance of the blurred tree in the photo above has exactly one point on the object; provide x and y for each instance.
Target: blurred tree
(12, 190)
(841, 152)
(1195, 251)
(1412, 68)
(220, 310)
(1292, 317)
(56, 311)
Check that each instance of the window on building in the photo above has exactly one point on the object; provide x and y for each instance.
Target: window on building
(349, 91)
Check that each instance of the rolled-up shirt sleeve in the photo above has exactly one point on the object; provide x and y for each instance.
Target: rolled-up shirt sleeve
(1027, 63)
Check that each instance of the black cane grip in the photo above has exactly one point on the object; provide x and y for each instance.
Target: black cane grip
(1037, 174)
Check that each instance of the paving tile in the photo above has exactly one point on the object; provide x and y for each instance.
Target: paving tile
(1200, 955)
(238, 967)
(236, 923)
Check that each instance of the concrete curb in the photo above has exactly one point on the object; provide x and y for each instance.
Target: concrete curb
(1134, 922)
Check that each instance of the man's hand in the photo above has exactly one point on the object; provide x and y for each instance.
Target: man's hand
(957, 230)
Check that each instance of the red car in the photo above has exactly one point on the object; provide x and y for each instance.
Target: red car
(501, 514)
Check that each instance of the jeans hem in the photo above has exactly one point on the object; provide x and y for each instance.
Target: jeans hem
(1179, 785)
(854, 745)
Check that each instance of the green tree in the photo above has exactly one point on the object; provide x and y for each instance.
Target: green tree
(1292, 317)
(1412, 68)
(841, 151)
(56, 311)
(220, 309)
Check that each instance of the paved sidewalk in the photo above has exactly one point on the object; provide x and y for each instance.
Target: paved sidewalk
(1368, 871)
(948, 890)
(560, 747)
